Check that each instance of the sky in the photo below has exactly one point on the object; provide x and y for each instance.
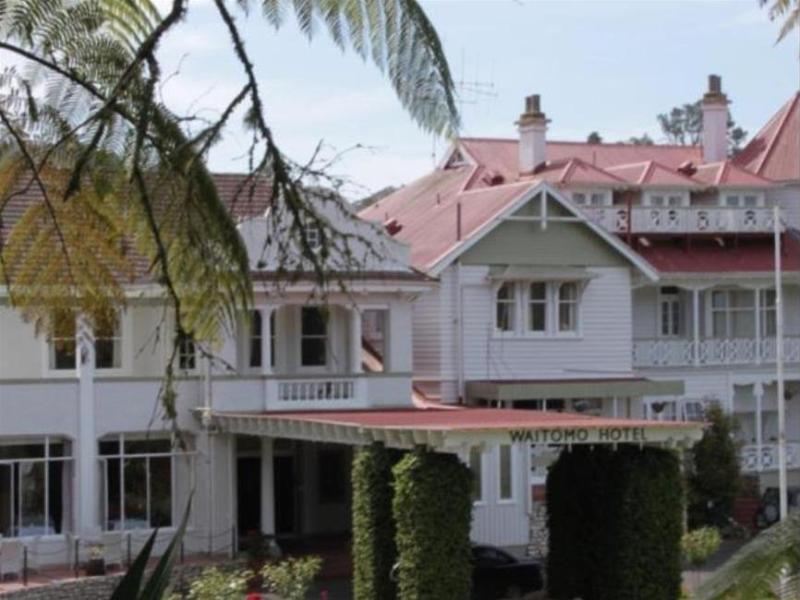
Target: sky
(598, 65)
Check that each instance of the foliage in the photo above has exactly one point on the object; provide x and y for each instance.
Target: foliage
(714, 478)
(133, 586)
(700, 544)
(291, 578)
(642, 140)
(374, 550)
(215, 584)
(756, 568)
(684, 125)
(594, 138)
(119, 181)
(788, 11)
(432, 508)
(615, 523)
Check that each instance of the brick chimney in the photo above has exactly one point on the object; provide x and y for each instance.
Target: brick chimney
(715, 121)
(532, 126)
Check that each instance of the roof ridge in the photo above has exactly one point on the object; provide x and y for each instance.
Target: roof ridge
(578, 143)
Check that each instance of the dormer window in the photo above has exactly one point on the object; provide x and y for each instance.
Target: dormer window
(666, 199)
(741, 200)
(596, 198)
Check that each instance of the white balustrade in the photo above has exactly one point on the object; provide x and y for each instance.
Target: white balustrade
(752, 460)
(316, 390)
(679, 352)
(688, 219)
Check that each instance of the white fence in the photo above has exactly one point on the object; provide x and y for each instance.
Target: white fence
(689, 219)
(766, 459)
(682, 352)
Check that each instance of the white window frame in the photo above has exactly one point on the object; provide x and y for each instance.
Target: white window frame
(671, 299)
(196, 366)
(725, 197)
(16, 487)
(515, 308)
(588, 197)
(649, 199)
(511, 475)
(49, 354)
(765, 308)
(480, 476)
(711, 310)
(255, 336)
(173, 454)
(548, 309)
(123, 334)
(328, 337)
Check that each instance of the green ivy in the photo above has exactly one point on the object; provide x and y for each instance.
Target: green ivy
(433, 511)
(374, 550)
(615, 520)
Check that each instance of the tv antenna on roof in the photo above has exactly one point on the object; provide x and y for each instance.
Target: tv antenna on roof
(469, 92)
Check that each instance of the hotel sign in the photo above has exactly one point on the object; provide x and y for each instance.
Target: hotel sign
(579, 435)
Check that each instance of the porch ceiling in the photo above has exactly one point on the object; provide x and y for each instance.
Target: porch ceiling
(621, 387)
(454, 429)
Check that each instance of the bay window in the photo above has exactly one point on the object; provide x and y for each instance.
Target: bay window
(138, 475)
(506, 307)
(537, 308)
(35, 488)
(568, 307)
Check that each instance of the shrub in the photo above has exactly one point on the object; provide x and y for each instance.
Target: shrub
(615, 519)
(698, 545)
(374, 550)
(291, 578)
(432, 508)
(714, 478)
(214, 584)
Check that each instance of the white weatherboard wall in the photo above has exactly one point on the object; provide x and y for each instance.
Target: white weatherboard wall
(602, 344)
(503, 522)
(788, 198)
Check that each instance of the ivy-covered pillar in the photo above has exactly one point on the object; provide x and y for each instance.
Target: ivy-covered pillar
(615, 520)
(432, 510)
(374, 551)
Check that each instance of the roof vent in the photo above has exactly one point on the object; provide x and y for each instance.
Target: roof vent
(393, 227)
(687, 168)
(492, 177)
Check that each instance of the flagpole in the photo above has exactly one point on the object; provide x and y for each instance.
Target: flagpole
(782, 484)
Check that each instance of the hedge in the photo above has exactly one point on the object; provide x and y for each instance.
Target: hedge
(374, 551)
(432, 508)
(615, 520)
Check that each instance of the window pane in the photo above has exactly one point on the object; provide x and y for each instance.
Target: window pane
(113, 500)
(719, 299)
(506, 487)
(477, 473)
(313, 352)
(568, 291)
(719, 326)
(750, 201)
(152, 446)
(273, 335)
(744, 323)
(161, 491)
(538, 291)
(6, 501)
(135, 493)
(107, 343)
(255, 339)
(22, 451)
(186, 353)
(62, 343)
(506, 305)
(538, 317)
(58, 477)
(579, 198)
(598, 199)
(313, 321)
(31, 481)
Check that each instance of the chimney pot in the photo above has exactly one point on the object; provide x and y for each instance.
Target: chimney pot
(715, 121)
(532, 126)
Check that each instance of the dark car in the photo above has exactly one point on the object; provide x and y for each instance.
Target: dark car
(769, 510)
(497, 574)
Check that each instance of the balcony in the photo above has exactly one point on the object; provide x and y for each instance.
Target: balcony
(681, 352)
(754, 459)
(678, 220)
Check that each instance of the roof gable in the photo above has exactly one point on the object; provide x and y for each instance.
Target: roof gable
(774, 152)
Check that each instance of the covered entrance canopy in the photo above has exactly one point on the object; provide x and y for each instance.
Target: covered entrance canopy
(453, 429)
(514, 390)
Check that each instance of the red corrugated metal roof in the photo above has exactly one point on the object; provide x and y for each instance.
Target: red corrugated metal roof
(574, 171)
(746, 255)
(774, 152)
(728, 174)
(652, 173)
